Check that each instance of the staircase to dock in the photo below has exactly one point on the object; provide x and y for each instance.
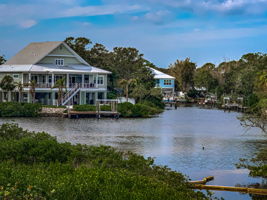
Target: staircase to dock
(70, 94)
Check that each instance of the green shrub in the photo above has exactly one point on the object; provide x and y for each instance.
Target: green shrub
(84, 107)
(125, 109)
(15, 109)
(105, 108)
(111, 95)
(36, 166)
(138, 110)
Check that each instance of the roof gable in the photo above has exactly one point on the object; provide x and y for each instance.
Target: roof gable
(32, 53)
(35, 52)
(160, 75)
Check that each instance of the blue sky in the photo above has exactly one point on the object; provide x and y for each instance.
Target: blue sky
(163, 30)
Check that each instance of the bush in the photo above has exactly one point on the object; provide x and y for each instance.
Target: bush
(138, 110)
(15, 109)
(111, 95)
(36, 166)
(125, 109)
(84, 108)
(105, 108)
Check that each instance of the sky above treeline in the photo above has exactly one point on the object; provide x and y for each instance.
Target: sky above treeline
(163, 30)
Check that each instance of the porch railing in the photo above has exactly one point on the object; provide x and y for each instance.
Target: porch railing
(71, 85)
(85, 85)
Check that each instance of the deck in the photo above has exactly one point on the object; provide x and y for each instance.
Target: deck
(97, 114)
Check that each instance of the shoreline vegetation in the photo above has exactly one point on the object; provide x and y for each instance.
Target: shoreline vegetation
(127, 110)
(36, 166)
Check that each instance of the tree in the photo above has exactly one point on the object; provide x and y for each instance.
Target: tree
(60, 84)
(79, 45)
(20, 87)
(125, 85)
(99, 56)
(127, 64)
(32, 85)
(261, 81)
(7, 85)
(183, 71)
(139, 91)
(203, 77)
(2, 59)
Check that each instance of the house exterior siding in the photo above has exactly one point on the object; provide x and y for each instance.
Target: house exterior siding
(160, 83)
(61, 50)
(67, 60)
(90, 81)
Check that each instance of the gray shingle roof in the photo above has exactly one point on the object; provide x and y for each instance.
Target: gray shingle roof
(33, 53)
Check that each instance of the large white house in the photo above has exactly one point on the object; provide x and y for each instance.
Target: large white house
(47, 62)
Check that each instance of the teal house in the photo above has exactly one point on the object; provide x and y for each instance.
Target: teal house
(164, 81)
(44, 63)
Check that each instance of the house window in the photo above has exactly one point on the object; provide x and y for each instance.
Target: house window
(59, 62)
(167, 82)
(100, 80)
(15, 76)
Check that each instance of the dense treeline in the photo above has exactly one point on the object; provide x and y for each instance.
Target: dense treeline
(36, 166)
(246, 77)
(130, 75)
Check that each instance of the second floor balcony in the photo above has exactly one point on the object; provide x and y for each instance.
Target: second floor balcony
(71, 81)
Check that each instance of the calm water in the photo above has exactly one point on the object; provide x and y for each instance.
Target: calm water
(175, 139)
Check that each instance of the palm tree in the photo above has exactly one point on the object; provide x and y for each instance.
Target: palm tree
(32, 86)
(262, 80)
(7, 85)
(60, 84)
(125, 84)
(20, 86)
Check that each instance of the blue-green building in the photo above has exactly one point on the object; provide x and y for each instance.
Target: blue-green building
(164, 81)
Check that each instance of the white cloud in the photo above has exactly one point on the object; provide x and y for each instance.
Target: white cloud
(27, 15)
(158, 17)
(27, 23)
(98, 10)
(218, 6)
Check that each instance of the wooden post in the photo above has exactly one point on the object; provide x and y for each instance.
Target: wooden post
(230, 188)
(203, 181)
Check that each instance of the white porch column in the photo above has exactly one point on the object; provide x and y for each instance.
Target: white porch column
(53, 79)
(46, 80)
(96, 97)
(22, 78)
(82, 81)
(29, 94)
(96, 80)
(53, 98)
(68, 80)
(29, 97)
(30, 77)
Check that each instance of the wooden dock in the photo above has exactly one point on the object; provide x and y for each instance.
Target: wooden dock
(97, 114)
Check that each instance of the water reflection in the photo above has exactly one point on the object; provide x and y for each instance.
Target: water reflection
(175, 138)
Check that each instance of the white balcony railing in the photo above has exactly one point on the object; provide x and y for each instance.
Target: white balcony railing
(71, 85)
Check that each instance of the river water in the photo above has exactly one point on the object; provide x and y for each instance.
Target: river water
(175, 138)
